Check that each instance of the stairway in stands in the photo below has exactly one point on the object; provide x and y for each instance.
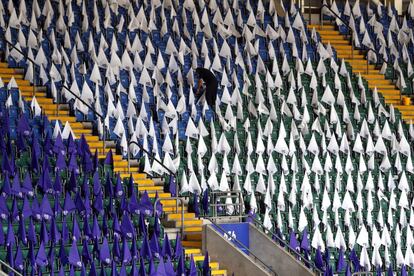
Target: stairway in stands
(343, 48)
(192, 226)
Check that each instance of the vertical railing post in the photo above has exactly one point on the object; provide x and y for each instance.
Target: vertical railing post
(309, 12)
(321, 16)
(104, 137)
(182, 216)
(57, 103)
(129, 160)
(34, 81)
(182, 210)
(352, 43)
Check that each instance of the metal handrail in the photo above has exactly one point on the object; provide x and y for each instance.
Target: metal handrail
(348, 27)
(17, 273)
(150, 155)
(343, 21)
(57, 96)
(291, 249)
(182, 209)
(93, 110)
(28, 58)
(352, 39)
(239, 243)
(217, 195)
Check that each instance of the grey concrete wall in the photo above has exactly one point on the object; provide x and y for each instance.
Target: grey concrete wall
(230, 257)
(274, 255)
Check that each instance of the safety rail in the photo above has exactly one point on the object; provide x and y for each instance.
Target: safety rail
(352, 33)
(215, 202)
(150, 155)
(287, 246)
(86, 104)
(58, 96)
(379, 56)
(343, 21)
(239, 243)
(176, 209)
(16, 273)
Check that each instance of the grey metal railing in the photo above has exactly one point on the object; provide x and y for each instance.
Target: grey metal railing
(28, 58)
(150, 156)
(215, 202)
(353, 32)
(101, 116)
(270, 269)
(57, 95)
(182, 209)
(16, 273)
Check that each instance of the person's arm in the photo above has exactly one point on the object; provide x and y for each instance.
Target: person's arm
(200, 85)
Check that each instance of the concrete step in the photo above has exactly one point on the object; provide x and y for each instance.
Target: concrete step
(189, 222)
(6, 77)
(27, 94)
(322, 27)
(323, 32)
(172, 209)
(20, 82)
(92, 138)
(376, 77)
(341, 47)
(54, 106)
(6, 71)
(389, 93)
(170, 203)
(359, 65)
(193, 229)
(125, 169)
(41, 100)
(393, 102)
(146, 182)
(121, 163)
(392, 97)
(151, 190)
(378, 81)
(69, 119)
(348, 55)
(136, 176)
(336, 40)
(222, 272)
(160, 195)
(381, 86)
(192, 251)
(193, 237)
(100, 144)
(115, 157)
(178, 216)
(191, 244)
(405, 107)
(408, 112)
(79, 132)
(56, 112)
